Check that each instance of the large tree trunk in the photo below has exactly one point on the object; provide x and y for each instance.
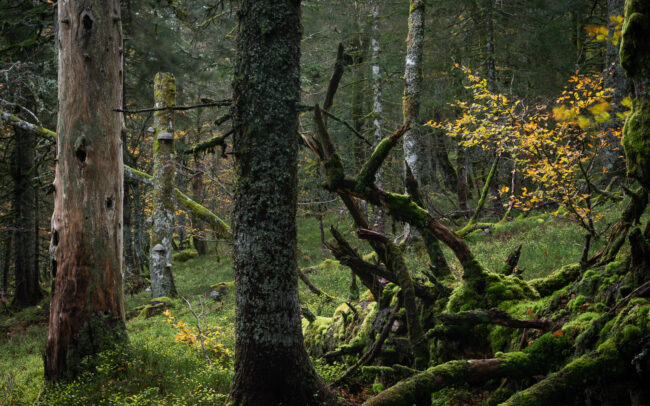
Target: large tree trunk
(271, 364)
(27, 289)
(86, 310)
(160, 268)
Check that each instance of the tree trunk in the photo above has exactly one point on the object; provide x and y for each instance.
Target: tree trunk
(86, 310)
(27, 289)
(635, 60)
(271, 364)
(162, 231)
(377, 106)
(415, 145)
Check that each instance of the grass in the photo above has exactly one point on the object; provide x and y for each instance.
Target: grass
(156, 368)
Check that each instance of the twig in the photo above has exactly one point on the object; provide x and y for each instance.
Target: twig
(198, 326)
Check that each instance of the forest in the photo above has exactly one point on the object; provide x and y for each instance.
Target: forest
(325, 202)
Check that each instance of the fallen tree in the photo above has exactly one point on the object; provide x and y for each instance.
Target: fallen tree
(596, 313)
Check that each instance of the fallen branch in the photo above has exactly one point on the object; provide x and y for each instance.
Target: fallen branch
(417, 389)
(220, 103)
(374, 349)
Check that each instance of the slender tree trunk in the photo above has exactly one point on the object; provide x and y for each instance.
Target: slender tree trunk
(162, 231)
(27, 289)
(377, 105)
(271, 364)
(86, 310)
(614, 79)
(462, 178)
(415, 145)
(200, 243)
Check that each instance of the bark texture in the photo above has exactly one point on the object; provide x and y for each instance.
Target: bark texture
(86, 310)
(271, 364)
(162, 280)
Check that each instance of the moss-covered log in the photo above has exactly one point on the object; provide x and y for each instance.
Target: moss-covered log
(543, 355)
(493, 316)
(624, 340)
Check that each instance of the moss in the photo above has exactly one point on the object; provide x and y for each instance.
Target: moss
(334, 171)
(367, 174)
(575, 305)
(557, 280)
(403, 208)
(636, 141)
(185, 255)
(316, 335)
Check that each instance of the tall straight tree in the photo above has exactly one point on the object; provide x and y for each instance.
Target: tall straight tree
(271, 364)
(162, 281)
(86, 311)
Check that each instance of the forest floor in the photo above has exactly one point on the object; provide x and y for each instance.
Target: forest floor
(164, 362)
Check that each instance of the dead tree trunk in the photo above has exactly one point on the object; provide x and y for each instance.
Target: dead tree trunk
(162, 280)
(271, 364)
(86, 310)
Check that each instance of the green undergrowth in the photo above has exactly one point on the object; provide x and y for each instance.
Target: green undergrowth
(159, 367)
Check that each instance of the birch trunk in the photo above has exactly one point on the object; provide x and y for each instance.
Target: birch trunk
(415, 145)
(377, 105)
(86, 310)
(160, 268)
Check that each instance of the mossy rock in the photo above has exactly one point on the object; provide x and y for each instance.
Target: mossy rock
(154, 307)
(221, 289)
(185, 255)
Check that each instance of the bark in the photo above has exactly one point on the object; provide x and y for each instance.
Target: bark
(86, 309)
(266, 90)
(164, 154)
(27, 289)
(415, 145)
(469, 227)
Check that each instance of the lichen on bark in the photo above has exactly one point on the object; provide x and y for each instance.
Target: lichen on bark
(164, 155)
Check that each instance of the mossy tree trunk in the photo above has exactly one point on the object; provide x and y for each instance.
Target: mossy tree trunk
(27, 289)
(635, 60)
(160, 268)
(271, 364)
(86, 310)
